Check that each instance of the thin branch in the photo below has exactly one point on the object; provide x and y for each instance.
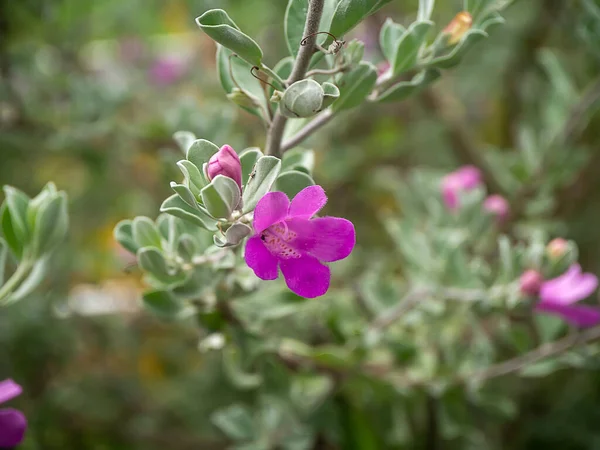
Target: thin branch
(542, 352)
(312, 73)
(313, 18)
(308, 129)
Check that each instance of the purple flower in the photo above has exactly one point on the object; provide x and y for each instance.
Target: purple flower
(497, 206)
(166, 71)
(12, 422)
(288, 238)
(225, 162)
(557, 296)
(530, 282)
(464, 179)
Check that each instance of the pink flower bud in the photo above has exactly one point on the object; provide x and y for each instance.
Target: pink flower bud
(225, 162)
(497, 205)
(530, 282)
(556, 248)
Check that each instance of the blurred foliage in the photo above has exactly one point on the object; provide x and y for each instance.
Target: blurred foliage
(91, 94)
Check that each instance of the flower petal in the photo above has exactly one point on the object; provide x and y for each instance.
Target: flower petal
(570, 287)
(581, 316)
(450, 190)
(9, 390)
(306, 276)
(334, 238)
(270, 209)
(308, 202)
(260, 259)
(12, 427)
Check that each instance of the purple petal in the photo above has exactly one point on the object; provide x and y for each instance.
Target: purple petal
(308, 202)
(306, 276)
(469, 176)
(270, 209)
(9, 390)
(450, 190)
(570, 287)
(260, 259)
(12, 427)
(581, 316)
(333, 238)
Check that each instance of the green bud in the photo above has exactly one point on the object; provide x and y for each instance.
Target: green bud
(304, 98)
(243, 98)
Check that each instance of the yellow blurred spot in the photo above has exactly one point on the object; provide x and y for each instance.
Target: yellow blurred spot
(457, 28)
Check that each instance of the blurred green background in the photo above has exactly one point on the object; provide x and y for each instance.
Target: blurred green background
(91, 94)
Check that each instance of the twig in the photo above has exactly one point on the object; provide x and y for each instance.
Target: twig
(312, 73)
(308, 129)
(542, 352)
(313, 18)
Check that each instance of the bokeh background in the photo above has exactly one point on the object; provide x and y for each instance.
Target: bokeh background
(91, 93)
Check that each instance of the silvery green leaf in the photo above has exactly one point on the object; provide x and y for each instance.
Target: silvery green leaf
(221, 197)
(233, 73)
(400, 46)
(163, 304)
(51, 225)
(3, 255)
(145, 233)
(196, 283)
(450, 60)
(405, 89)
(350, 13)
(389, 37)
(17, 203)
(355, 86)
(123, 234)
(36, 276)
(175, 206)
(304, 98)
(265, 173)
(185, 193)
(308, 391)
(152, 261)
(292, 182)
(236, 422)
(298, 159)
(8, 231)
(186, 247)
(295, 18)
(219, 26)
(184, 140)
(232, 366)
(193, 178)
(200, 151)
(234, 235)
(330, 94)
(425, 9)
(248, 158)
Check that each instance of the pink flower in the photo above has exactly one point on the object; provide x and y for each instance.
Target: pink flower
(557, 296)
(557, 247)
(12, 422)
(166, 71)
(288, 238)
(225, 162)
(464, 179)
(497, 206)
(530, 282)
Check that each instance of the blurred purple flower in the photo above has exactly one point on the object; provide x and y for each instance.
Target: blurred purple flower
(166, 71)
(287, 237)
(225, 162)
(497, 206)
(530, 282)
(558, 295)
(12, 422)
(557, 247)
(464, 179)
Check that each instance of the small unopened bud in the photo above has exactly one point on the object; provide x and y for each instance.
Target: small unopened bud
(557, 248)
(497, 206)
(335, 47)
(530, 282)
(242, 98)
(225, 162)
(304, 98)
(457, 28)
(276, 97)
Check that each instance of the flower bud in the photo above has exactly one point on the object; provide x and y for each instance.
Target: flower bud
(225, 162)
(497, 206)
(530, 282)
(304, 98)
(557, 248)
(457, 28)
